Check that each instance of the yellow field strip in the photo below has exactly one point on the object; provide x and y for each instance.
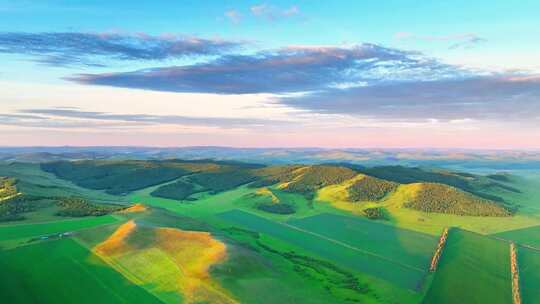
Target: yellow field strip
(9, 197)
(438, 251)
(516, 295)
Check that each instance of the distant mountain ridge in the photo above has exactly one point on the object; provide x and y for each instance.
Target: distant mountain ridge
(477, 159)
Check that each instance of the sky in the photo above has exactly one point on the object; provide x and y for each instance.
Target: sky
(334, 74)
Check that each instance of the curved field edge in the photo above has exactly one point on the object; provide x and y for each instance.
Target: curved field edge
(171, 261)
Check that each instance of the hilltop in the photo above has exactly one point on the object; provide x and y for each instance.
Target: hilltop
(440, 198)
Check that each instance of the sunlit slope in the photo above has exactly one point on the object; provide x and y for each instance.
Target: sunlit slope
(7, 188)
(313, 178)
(135, 208)
(173, 264)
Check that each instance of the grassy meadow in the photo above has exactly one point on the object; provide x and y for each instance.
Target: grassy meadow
(402, 246)
(63, 271)
(346, 255)
(529, 264)
(19, 234)
(473, 269)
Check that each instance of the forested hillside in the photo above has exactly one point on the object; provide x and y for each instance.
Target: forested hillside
(438, 191)
(439, 198)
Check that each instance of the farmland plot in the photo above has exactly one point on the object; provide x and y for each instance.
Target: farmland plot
(402, 246)
(473, 269)
(529, 272)
(54, 271)
(336, 251)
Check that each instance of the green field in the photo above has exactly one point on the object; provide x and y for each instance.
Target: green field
(63, 271)
(529, 271)
(473, 269)
(21, 231)
(527, 236)
(402, 246)
(336, 251)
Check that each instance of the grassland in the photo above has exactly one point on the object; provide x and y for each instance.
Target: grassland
(18, 233)
(527, 236)
(402, 246)
(342, 253)
(529, 266)
(172, 263)
(63, 271)
(473, 269)
(250, 273)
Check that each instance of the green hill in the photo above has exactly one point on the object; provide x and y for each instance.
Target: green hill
(439, 198)
(476, 184)
(272, 175)
(313, 178)
(7, 188)
(368, 188)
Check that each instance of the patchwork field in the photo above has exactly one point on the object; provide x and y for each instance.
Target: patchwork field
(63, 271)
(342, 253)
(473, 269)
(219, 232)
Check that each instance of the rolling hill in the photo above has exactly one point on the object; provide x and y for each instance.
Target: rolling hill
(440, 198)
(430, 191)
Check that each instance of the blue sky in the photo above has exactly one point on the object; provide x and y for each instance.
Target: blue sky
(301, 71)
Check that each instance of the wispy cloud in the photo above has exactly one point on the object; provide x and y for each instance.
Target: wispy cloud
(272, 13)
(291, 69)
(234, 16)
(466, 40)
(76, 118)
(95, 49)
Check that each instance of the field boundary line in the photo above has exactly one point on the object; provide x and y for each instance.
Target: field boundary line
(352, 247)
(438, 251)
(53, 221)
(514, 269)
